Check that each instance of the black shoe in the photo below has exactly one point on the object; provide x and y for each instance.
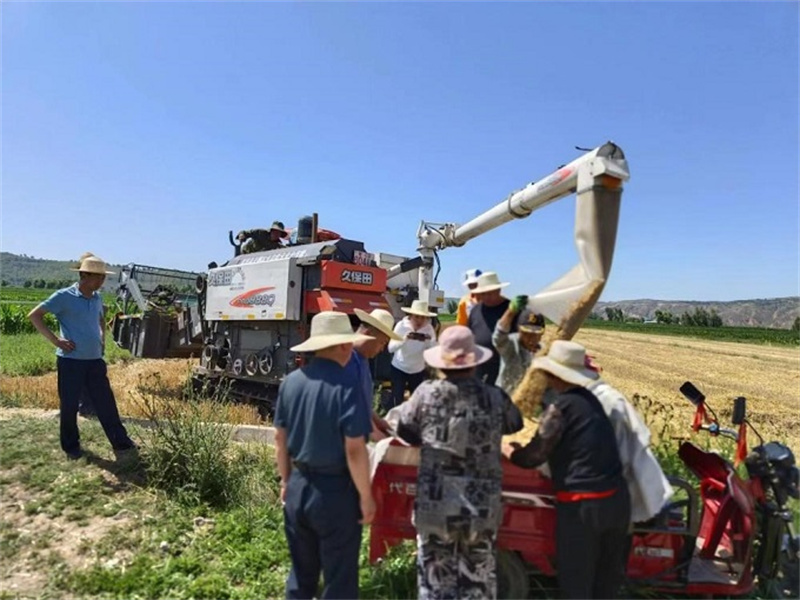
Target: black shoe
(75, 454)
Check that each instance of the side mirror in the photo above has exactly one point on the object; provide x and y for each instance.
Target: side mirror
(694, 395)
(739, 410)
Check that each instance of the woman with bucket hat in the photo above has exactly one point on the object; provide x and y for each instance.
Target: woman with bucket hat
(321, 424)
(593, 507)
(80, 347)
(415, 334)
(459, 422)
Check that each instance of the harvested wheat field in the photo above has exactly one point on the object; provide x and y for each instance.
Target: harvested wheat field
(655, 366)
(130, 381)
(648, 365)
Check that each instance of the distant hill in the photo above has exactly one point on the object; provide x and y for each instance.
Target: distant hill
(777, 313)
(766, 312)
(17, 269)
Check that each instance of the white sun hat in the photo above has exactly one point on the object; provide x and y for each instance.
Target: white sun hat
(567, 361)
(419, 308)
(329, 328)
(92, 264)
(471, 276)
(488, 282)
(380, 319)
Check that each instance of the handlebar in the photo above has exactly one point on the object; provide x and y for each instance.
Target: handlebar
(715, 430)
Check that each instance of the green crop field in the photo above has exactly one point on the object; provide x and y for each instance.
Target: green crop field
(749, 335)
(18, 295)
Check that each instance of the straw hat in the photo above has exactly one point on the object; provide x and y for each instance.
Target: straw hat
(380, 319)
(567, 361)
(488, 282)
(456, 350)
(471, 276)
(278, 226)
(329, 328)
(419, 308)
(92, 264)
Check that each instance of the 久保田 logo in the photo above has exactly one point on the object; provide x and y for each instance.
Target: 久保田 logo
(256, 297)
(359, 277)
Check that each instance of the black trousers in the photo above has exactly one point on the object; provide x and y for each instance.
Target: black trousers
(591, 545)
(321, 522)
(402, 380)
(76, 377)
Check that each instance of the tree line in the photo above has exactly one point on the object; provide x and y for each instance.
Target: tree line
(699, 318)
(42, 284)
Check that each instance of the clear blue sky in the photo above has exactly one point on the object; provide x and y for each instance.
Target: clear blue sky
(144, 131)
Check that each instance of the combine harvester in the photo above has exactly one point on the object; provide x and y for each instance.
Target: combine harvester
(247, 313)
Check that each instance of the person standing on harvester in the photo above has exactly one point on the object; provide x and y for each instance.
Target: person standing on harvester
(81, 344)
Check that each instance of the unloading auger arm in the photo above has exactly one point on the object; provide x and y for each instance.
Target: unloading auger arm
(596, 178)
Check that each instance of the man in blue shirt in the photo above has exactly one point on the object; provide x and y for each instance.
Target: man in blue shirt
(321, 425)
(80, 343)
(379, 326)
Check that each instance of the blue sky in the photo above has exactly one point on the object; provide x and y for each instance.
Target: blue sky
(145, 131)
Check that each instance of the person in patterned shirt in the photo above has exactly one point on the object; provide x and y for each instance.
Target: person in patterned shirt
(516, 350)
(459, 422)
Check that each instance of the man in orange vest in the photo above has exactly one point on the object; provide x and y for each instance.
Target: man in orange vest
(468, 301)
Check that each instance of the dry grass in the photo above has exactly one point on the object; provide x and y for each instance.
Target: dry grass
(128, 380)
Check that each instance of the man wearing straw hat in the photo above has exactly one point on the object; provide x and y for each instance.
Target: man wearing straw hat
(484, 317)
(378, 325)
(321, 426)
(80, 346)
(459, 422)
(593, 508)
(516, 350)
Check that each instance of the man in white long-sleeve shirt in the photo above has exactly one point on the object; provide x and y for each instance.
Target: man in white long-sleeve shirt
(408, 365)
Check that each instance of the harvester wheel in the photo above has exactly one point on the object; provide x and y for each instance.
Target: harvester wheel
(265, 363)
(512, 575)
(251, 364)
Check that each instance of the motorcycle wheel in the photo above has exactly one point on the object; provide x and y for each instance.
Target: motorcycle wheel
(512, 575)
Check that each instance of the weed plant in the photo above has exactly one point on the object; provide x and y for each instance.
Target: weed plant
(189, 452)
(29, 354)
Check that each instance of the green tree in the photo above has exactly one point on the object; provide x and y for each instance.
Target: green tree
(27, 283)
(714, 320)
(796, 325)
(4, 283)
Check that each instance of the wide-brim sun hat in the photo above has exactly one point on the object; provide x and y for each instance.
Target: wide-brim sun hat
(380, 319)
(94, 265)
(419, 308)
(456, 350)
(329, 328)
(488, 282)
(567, 361)
(278, 226)
(471, 276)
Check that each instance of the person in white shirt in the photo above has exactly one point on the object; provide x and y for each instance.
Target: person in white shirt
(408, 365)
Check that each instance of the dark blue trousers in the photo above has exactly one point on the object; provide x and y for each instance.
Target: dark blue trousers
(321, 523)
(91, 377)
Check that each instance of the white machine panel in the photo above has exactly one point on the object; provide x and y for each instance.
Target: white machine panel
(262, 290)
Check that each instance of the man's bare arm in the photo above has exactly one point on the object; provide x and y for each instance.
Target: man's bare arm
(282, 460)
(358, 464)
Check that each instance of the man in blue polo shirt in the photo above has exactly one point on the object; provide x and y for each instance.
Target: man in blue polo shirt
(321, 424)
(80, 343)
(379, 326)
